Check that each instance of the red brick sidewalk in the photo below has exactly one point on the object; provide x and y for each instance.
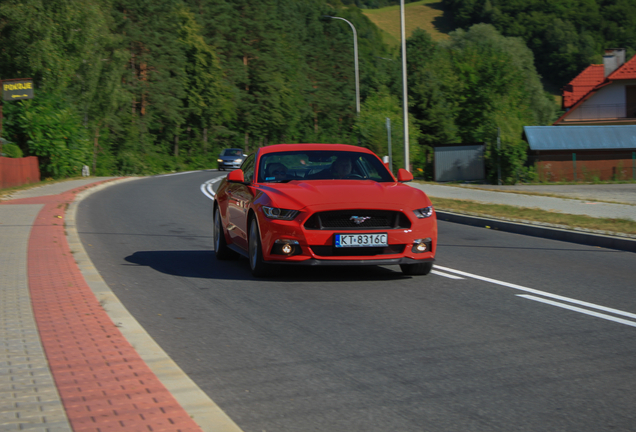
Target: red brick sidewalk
(103, 382)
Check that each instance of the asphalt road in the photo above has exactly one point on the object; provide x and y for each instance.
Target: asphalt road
(509, 333)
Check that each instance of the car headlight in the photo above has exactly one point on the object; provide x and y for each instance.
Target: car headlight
(423, 213)
(279, 213)
(238, 160)
(220, 160)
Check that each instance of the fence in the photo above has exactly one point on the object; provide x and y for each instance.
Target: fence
(18, 171)
(582, 166)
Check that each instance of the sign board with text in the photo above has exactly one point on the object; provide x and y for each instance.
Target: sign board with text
(17, 89)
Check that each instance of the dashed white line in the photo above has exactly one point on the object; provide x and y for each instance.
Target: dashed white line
(450, 276)
(580, 310)
(550, 295)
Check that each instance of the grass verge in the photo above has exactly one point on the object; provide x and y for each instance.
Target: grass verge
(499, 211)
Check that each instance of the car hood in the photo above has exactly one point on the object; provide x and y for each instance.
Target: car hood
(344, 194)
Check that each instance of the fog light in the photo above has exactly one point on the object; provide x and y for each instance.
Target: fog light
(286, 247)
(421, 245)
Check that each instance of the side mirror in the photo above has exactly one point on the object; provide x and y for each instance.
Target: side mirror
(404, 175)
(236, 176)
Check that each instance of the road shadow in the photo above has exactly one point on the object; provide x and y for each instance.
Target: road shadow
(203, 264)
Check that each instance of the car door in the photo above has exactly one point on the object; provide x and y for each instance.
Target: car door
(240, 196)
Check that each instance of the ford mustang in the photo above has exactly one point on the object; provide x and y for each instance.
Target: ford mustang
(323, 204)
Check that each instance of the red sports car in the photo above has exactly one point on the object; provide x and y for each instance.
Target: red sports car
(323, 204)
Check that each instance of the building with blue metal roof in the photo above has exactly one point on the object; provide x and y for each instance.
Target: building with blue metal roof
(582, 153)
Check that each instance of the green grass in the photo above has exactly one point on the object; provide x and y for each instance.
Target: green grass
(624, 226)
(425, 14)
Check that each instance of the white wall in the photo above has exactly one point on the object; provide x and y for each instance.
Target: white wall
(606, 103)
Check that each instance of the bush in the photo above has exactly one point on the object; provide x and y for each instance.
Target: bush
(11, 150)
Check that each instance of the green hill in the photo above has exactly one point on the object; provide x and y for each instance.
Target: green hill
(426, 14)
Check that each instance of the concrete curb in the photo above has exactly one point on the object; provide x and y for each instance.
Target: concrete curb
(553, 233)
(203, 410)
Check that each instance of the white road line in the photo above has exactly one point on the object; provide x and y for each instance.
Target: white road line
(576, 309)
(206, 187)
(541, 293)
(179, 173)
(439, 273)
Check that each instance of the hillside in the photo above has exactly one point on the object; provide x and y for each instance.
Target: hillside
(426, 14)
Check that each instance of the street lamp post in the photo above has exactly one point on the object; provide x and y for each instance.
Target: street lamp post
(355, 54)
(405, 102)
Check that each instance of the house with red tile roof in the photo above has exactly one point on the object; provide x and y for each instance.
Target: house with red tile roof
(602, 94)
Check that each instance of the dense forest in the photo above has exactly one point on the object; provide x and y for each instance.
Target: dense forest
(142, 87)
(565, 36)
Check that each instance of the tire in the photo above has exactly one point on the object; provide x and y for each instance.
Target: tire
(221, 250)
(417, 269)
(255, 251)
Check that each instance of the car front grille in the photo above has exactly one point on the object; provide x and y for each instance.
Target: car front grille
(346, 220)
(331, 251)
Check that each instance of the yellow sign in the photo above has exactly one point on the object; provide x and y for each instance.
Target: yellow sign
(17, 89)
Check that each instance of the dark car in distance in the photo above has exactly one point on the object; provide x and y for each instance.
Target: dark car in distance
(230, 158)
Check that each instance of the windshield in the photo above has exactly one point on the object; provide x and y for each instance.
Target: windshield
(321, 165)
(232, 152)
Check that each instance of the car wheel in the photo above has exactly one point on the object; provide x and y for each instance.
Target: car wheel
(255, 251)
(221, 250)
(417, 269)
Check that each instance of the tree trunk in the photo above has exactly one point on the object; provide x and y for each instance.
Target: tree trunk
(176, 145)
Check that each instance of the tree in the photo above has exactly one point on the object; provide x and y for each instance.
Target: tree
(473, 85)
(371, 127)
(208, 98)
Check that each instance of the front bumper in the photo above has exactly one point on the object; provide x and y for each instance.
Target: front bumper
(350, 262)
(230, 165)
(316, 247)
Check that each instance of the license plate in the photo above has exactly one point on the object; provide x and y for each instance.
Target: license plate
(362, 240)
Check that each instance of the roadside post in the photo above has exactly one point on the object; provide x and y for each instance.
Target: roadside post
(13, 90)
(388, 132)
(499, 156)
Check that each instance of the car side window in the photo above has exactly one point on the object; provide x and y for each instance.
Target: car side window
(248, 169)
